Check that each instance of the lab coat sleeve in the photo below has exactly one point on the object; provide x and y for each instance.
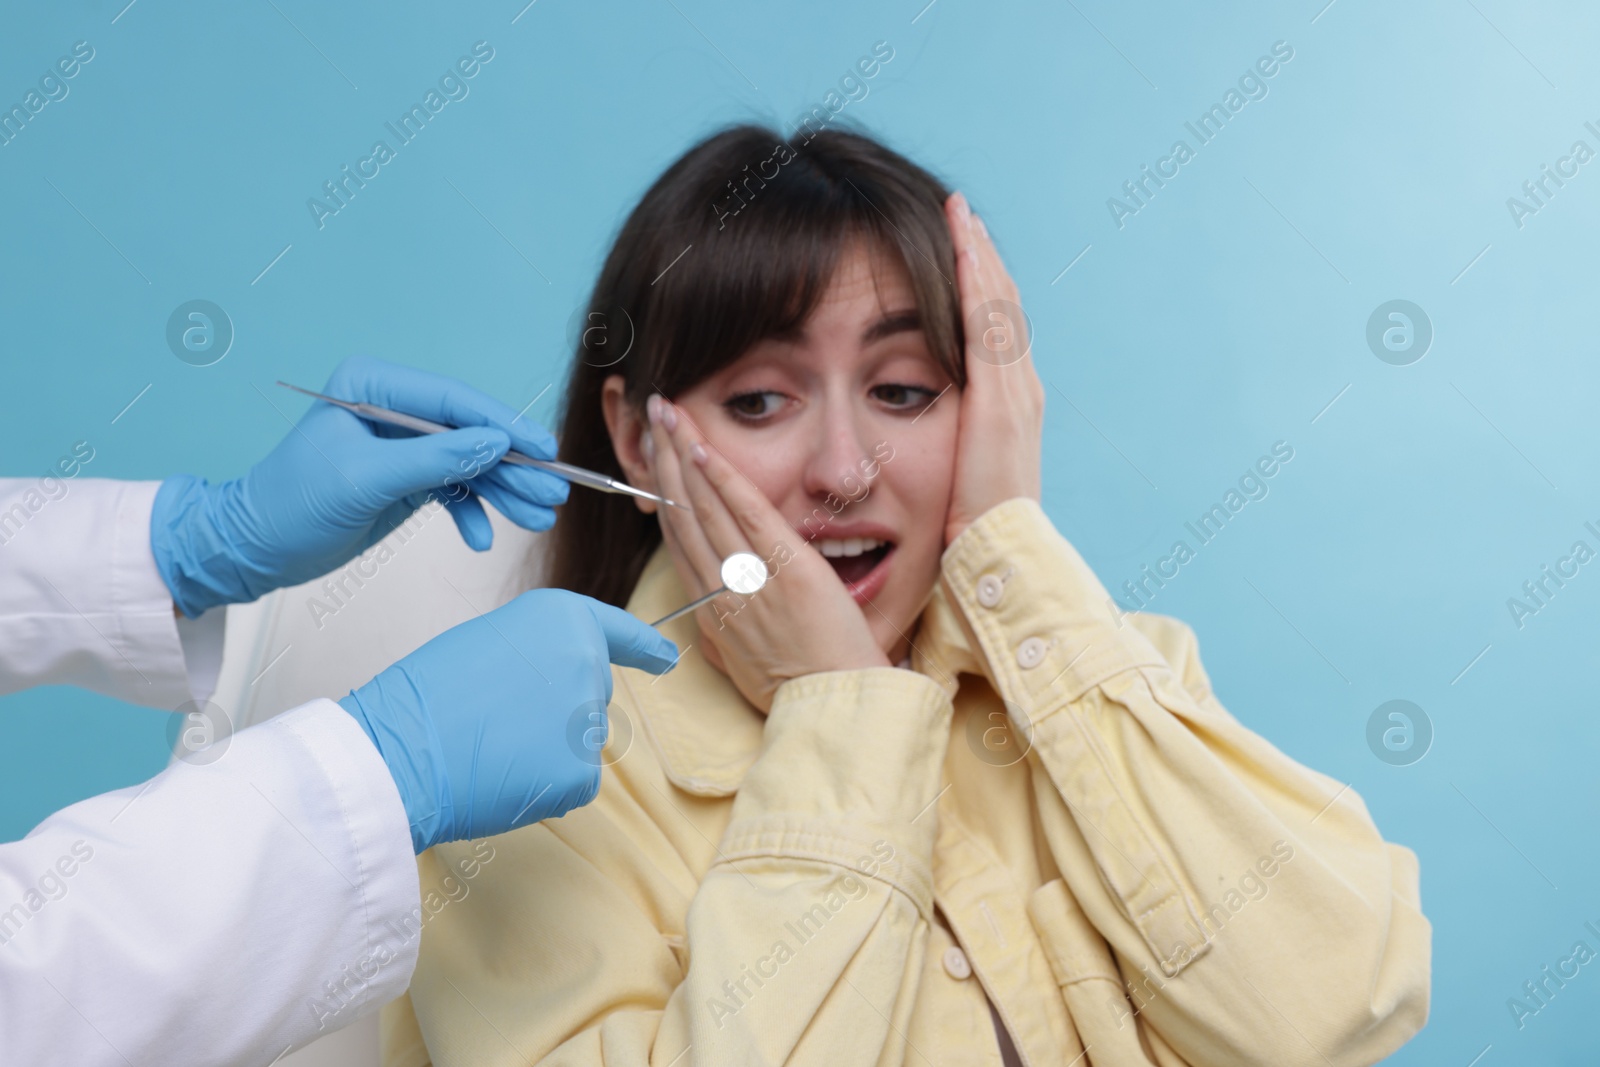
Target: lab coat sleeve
(219, 913)
(1257, 913)
(81, 600)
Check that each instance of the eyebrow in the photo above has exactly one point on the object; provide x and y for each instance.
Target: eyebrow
(893, 322)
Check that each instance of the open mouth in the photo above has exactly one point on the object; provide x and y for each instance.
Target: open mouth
(854, 559)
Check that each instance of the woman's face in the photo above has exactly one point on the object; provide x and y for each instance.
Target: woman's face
(842, 428)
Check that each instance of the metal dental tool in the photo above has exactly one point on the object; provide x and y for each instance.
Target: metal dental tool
(743, 573)
(577, 475)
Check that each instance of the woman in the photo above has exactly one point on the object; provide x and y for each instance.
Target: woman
(928, 797)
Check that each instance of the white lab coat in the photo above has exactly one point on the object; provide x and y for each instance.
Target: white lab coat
(219, 913)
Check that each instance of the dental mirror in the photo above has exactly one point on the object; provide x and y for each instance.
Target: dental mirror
(743, 573)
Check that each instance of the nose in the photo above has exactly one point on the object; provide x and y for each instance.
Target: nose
(833, 465)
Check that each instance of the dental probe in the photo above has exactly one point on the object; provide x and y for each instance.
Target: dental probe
(593, 479)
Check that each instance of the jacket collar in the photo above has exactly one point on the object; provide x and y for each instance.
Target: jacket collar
(704, 731)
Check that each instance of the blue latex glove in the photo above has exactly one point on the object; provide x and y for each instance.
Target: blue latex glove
(488, 727)
(337, 484)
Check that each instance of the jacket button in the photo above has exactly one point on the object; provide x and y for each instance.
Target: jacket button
(989, 590)
(1031, 653)
(956, 964)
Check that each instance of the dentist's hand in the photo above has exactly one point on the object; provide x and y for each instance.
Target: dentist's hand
(338, 484)
(483, 727)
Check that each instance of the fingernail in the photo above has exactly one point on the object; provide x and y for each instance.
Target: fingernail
(669, 416)
(652, 408)
(698, 452)
(965, 209)
(981, 227)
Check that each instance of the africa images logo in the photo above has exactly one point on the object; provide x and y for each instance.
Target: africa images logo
(1252, 85)
(452, 87)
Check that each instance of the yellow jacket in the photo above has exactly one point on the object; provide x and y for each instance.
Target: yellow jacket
(1078, 829)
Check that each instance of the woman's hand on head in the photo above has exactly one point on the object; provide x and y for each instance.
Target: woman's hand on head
(1002, 406)
(802, 621)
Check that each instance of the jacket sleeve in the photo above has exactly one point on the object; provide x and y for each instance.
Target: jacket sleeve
(1255, 914)
(835, 816)
(803, 940)
(81, 600)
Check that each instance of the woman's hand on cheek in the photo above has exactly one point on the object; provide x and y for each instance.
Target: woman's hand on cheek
(1002, 406)
(802, 621)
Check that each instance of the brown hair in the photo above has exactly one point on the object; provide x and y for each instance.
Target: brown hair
(736, 242)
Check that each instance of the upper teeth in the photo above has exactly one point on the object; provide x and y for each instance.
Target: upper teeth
(853, 546)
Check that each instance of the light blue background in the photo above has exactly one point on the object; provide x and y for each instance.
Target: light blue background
(1225, 316)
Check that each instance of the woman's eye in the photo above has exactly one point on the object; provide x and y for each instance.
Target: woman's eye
(755, 405)
(904, 397)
